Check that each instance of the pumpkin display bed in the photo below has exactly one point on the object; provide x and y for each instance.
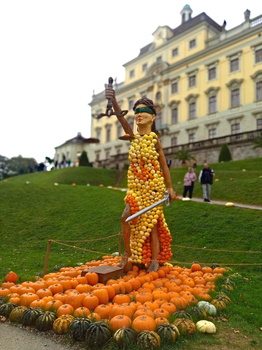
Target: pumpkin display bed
(140, 308)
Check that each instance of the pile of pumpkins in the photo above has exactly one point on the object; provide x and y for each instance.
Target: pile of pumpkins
(147, 324)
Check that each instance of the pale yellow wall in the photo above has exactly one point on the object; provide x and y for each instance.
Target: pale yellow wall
(162, 83)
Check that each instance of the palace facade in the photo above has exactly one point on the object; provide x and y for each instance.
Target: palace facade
(206, 82)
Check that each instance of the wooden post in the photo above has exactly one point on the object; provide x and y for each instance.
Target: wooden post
(119, 243)
(47, 256)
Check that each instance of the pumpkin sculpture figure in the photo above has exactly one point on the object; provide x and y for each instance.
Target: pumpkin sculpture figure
(147, 239)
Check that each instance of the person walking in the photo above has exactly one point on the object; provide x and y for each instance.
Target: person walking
(206, 179)
(189, 181)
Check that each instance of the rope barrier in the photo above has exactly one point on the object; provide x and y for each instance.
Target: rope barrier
(119, 235)
(84, 249)
(218, 250)
(89, 240)
(209, 263)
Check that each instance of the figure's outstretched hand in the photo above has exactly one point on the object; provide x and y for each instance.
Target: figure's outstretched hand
(172, 194)
(110, 94)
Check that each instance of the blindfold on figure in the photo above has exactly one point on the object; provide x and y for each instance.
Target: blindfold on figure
(144, 109)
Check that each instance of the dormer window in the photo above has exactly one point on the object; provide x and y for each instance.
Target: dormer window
(175, 52)
(144, 67)
(192, 43)
(132, 73)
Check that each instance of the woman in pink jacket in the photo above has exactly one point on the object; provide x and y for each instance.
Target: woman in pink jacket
(189, 180)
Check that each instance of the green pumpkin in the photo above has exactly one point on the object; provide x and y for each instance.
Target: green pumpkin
(3, 300)
(224, 297)
(78, 328)
(62, 323)
(168, 333)
(197, 313)
(185, 326)
(6, 309)
(97, 334)
(45, 320)
(30, 315)
(148, 340)
(17, 313)
(219, 304)
(124, 337)
(182, 314)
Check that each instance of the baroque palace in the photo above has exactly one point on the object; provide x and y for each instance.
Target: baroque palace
(206, 82)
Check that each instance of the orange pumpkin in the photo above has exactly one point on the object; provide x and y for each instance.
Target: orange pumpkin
(65, 309)
(11, 277)
(120, 321)
(81, 312)
(144, 323)
(27, 298)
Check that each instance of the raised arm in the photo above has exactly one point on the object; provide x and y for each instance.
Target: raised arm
(165, 170)
(110, 94)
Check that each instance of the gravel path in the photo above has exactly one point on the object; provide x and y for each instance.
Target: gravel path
(14, 337)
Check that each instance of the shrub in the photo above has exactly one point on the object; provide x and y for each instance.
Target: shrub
(225, 154)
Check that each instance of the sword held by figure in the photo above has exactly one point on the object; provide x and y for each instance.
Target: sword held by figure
(166, 200)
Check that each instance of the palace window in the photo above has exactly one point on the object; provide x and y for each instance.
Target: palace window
(158, 96)
(192, 110)
(158, 120)
(131, 103)
(192, 80)
(258, 55)
(144, 67)
(174, 141)
(98, 133)
(119, 130)
(212, 72)
(132, 73)
(108, 132)
(235, 128)
(192, 43)
(191, 136)
(192, 106)
(175, 115)
(174, 87)
(234, 64)
(212, 133)
(130, 121)
(212, 104)
(235, 98)
(259, 91)
(234, 87)
(259, 123)
(159, 59)
(175, 52)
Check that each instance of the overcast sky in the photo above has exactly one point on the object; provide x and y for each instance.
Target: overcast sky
(55, 53)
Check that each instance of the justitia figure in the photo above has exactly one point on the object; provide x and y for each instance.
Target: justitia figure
(147, 238)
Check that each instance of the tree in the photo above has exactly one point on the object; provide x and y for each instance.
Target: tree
(225, 154)
(83, 160)
(183, 155)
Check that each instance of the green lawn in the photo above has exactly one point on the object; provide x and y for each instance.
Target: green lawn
(33, 210)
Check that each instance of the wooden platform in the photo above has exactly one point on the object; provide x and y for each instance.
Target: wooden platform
(105, 272)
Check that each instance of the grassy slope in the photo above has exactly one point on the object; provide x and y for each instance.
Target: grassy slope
(35, 212)
(234, 185)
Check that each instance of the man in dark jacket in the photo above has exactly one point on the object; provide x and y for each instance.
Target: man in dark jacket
(206, 179)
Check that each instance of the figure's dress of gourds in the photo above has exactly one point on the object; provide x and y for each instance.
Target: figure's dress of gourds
(145, 187)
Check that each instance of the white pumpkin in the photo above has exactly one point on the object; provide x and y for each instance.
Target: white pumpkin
(204, 326)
